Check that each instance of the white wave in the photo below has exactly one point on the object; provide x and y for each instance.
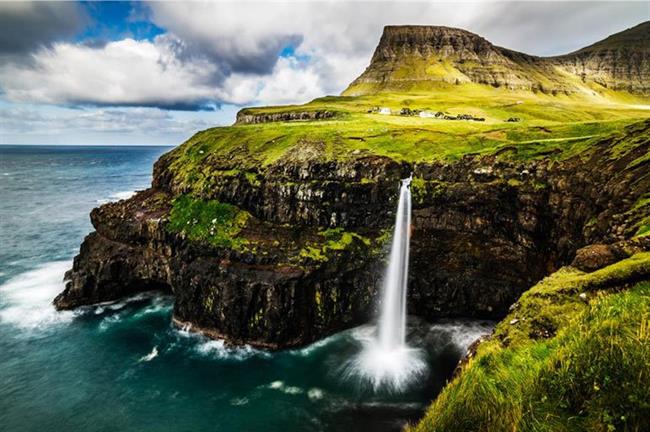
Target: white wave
(159, 303)
(152, 355)
(282, 387)
(122, 195)
(116, 311)
(117, 196)
(26, 299)
(463, 333)
(217, 348)
(315, 394)
(108, 321)
(238, 401)
(310, 349)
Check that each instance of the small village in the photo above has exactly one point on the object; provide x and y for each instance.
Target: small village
(408, 112)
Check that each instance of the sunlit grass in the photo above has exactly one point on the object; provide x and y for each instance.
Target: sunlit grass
(559, 362)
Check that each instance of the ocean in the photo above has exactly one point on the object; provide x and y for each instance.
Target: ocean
(123, 366)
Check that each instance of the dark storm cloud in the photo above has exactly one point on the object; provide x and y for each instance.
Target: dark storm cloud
(24, 26)
(230, 58)
(190, 105)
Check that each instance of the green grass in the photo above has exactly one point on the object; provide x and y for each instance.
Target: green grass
(550, 126)
(209, 221)
(333, 240)
(559, 362)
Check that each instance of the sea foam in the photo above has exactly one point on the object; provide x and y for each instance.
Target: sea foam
(116, 196)
(26, 299)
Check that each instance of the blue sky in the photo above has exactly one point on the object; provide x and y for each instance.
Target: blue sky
(157, 72)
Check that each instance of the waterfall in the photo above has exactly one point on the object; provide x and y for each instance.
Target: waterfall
(386, 361)
(392, 321)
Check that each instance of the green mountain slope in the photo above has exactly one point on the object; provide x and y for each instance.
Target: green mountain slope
(573, 355)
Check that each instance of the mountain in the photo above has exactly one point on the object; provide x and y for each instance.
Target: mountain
(619, 62)
(422, 57)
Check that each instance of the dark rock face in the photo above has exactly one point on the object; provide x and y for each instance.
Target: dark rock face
(484, 230)
(594, 257)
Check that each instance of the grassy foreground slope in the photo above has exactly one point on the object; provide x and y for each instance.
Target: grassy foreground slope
(573, 355)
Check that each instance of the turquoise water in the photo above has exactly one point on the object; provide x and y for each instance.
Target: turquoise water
(123, 366)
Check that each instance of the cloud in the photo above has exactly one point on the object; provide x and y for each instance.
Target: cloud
(125, 72)
(34, 124)
(232, 52)
(24, 120)
(288, 82)
(150, 74)
(25, 26)
(339, 37)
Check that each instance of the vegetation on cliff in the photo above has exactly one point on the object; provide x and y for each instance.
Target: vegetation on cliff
(572, 355)
(210, 221)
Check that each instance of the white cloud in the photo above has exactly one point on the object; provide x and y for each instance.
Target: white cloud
(125, 72)
(339, 37)
(227, 52)
(288, 82)
(47, 124)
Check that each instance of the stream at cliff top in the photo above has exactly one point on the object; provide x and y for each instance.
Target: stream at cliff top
(123, 366)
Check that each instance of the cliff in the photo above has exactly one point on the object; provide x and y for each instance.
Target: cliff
(293, 252)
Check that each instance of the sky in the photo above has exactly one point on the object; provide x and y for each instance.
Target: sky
(157, 72)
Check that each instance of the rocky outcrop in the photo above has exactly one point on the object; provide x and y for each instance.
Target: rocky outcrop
(419, 56)
(247, 117)
(484, 230)
(594, 257)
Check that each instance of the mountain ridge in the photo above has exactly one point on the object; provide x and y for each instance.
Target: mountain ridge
(414, 57)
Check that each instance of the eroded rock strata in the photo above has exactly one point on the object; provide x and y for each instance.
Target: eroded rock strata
(306, 256)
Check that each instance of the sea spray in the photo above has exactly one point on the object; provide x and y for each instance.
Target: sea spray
(26, 299)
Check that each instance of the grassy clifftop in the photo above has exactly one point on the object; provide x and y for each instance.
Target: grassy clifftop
(545, 125)
(573, 355)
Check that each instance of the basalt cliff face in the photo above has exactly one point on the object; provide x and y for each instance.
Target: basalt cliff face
(416, 57)
(484, 230)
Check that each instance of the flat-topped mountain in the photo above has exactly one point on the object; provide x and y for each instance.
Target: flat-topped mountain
(424, 57)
